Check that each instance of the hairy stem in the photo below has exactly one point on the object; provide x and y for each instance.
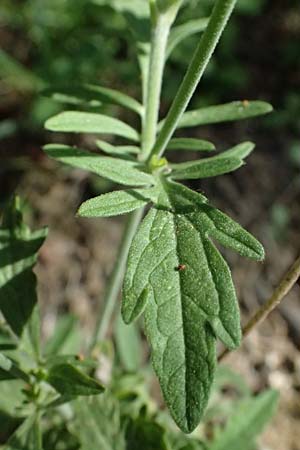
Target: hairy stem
(284, 287)
(114, 285)
(218, 20)
(159, 41)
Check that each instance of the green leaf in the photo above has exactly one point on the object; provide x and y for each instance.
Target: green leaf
(228, 112)
(117, 170)
(117, 150)
(190, 144)
(85, 122)
(68, 380)
(181, 32)
(93, 95)
(145, 434)
(5, 363)
(97, 423)
(240, 151)
(117, 202)
(10, 370)
(18, 249)
(128, 345)
(247, 422)
(11, 397)
(204, 168)
(171, 260)
(183, 347)
(222, 163)
(27, 437)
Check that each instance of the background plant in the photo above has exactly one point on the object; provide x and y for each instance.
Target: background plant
(180, 197)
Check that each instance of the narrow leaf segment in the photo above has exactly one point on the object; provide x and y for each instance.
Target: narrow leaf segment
(117, 170)
(85, 122)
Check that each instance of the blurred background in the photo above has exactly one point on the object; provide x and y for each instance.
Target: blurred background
(53, 42)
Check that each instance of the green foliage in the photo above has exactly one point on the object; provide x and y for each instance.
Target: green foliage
(128, 345)
(118, 202)
(175, 274)
(27, 436)
(198, 145)
(93, 95)
(70, 381)
(248, 420)
(83, 122)
(224, 113)
(18, 248)
(117, 170)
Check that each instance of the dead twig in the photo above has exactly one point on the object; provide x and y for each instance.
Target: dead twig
(284, 287)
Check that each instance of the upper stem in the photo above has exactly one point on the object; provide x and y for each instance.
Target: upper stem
(159, 41)
(218, 20)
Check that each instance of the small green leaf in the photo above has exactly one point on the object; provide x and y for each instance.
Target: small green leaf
(27, 436)
(117, 150)
(145, 434)
(84, 122)
(98, 423)
(247, 421)
(228, 112)
(11, 397)
(18, 299)
(240, 151)
(190, 144)
(5, 363)
(230, 234)
(68, 380)
(92, 95)
(204, 168)
(181, 32)
(117, 170)
(117, 202)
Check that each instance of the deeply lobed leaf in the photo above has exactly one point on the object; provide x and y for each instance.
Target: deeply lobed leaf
(182, 283)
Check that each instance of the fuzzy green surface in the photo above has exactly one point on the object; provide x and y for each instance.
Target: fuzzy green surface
(117, 170)
(117, 202)
(228, 112)
(70, 381)
(86, 122)
(177, 277)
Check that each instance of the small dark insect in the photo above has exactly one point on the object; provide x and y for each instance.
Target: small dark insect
(80, 357)
(181, 267)
(245, 103)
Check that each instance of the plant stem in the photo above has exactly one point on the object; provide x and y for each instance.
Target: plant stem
(113, 287)
(284, 287)
(159, 41)
(218, 20)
